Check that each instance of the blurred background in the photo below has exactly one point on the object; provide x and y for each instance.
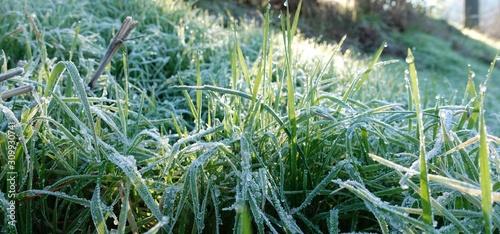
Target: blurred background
(368, 23)
(488, 14)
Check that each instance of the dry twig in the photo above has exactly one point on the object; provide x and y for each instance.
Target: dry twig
(17, 91)
(127, 26)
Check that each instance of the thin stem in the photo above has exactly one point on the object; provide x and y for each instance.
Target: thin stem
(127, 26)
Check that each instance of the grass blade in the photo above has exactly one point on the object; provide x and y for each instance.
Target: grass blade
(371, 66)
(37, 192)
(130, 170)
(296, 20)
(53, 78)
(484, 161)
(96, 211)
(424, 182)
(290, 84)
(333, 222)
(243, 65)
(485, 177)
(198, 95)
(265, 54)
(358, 81)
(194, 111)
(75, 41)
(381, 209)
(80, 88)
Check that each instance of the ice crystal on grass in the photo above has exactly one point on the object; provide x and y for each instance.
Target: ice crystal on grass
(215, 193)
(96, 209)
(288, 221)
(169, 197)
(444, 130)
(332, 174)
(130, 170)
(333, 221)
(191, 187)
(382, 210)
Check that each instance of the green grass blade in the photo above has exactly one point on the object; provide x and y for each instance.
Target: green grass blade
(75, 41)
(296, 19)
(265, 53)
(484, 161)
(257, 82)
(96, 211)
(198, 95)
(333, 222)
(365, 74)
(246, 219)
(424, 182)
(409, 102)
(69, 85)
(3, 68)
(80, 88)
(358, 81)
(290, 84)
(190, 103)
(130, 170)
(243, 65)
(53, 78)
(485, 177)
(37, 192)
(470, 89)
(123, 108)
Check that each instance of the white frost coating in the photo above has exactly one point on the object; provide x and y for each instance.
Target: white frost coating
(83, 131)
(379, 208)
(132, 160)
(446, 119)
(156, 136)
(482, 88)
(135, 177)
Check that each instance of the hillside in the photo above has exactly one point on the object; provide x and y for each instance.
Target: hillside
(443, 50)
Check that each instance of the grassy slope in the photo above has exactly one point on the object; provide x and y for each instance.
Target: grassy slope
(443, 52)
(444, 55)
(147, 153)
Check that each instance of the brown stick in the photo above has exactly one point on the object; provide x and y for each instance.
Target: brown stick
(17, 91)
(114, 46)
(10, 74)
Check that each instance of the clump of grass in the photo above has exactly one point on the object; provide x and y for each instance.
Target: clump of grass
(243, 134)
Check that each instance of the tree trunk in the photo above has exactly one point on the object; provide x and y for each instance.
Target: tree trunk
(471, 13)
